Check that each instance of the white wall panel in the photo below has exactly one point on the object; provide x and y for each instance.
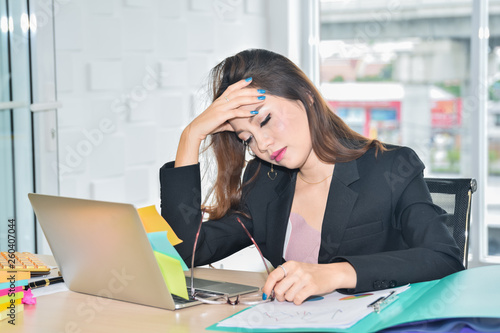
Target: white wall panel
(105, 75)
(137, 185)
(201, 31)
(65, 78)
(174, 74)
(73, 152)
(167, 147)
(171, 38)
(109, 189)
(134, 70)
(99, 110)
(68, 27)
(72, 112)
(146, 109)
(171, 8)
(255, 7)
(172, 110)
(138, 29)
(199, 66)
(141, 66)
(200, 5)
(101, 7)
(140, 141)
(137, 3)
(102, 37)
(108, 156)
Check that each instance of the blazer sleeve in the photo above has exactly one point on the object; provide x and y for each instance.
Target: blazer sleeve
(180, 192)
(431, 251)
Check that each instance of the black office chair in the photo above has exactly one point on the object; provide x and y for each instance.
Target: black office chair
(454, 195)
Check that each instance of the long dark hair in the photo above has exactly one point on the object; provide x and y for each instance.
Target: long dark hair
(332, 140)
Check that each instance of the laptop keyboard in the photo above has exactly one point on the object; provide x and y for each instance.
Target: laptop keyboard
(23, 262)
(180, 300)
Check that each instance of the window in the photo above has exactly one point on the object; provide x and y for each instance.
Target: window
(27, 120)
(16, 168)
(400, 71)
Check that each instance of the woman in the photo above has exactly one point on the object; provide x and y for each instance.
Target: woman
(338, 211)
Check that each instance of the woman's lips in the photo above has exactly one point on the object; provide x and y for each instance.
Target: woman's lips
(278, 155)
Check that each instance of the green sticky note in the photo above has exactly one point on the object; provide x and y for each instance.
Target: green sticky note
(160, 243)
(172, 274)
(7, 298)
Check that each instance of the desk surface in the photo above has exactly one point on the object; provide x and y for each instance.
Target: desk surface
(74, 312)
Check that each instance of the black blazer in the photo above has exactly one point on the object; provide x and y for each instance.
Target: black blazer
(379, 217)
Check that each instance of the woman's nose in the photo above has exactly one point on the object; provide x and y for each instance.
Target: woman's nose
(263, 141)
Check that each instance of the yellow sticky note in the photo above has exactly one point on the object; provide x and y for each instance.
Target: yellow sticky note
(7, 313)
(154, 222)
(17, 301)
(173, 274)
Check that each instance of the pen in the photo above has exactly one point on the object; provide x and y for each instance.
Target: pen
(381, 299)
(375, 301)
(44, 282)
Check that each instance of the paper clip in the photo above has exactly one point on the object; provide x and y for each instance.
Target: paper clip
(379, 304)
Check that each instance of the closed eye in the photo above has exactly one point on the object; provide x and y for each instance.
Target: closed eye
(263, 123)
(266, 120)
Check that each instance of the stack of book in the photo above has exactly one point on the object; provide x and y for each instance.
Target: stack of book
(12, 293)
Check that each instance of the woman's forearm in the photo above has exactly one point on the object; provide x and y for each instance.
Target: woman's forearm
(188, 149)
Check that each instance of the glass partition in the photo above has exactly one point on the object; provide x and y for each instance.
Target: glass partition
(392, 72)
(6, 147)
(16, 142)
(493, 190)
(400, 71)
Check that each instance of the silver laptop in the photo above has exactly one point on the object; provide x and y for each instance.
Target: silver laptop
(102, 249)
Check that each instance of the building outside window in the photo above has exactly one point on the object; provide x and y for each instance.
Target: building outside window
(399, 71)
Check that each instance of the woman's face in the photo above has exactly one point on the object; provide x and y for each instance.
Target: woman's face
(279, 133)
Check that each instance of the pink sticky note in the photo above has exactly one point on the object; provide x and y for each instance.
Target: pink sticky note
(28, 297)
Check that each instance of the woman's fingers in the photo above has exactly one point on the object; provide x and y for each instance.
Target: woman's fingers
(238, 94)
(273, 278)
(292, 283)
(246, 98)
(241, 104)
(296, 281)
(235, 86)
(237, 101)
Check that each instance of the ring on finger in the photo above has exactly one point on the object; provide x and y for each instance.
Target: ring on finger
(284, 270)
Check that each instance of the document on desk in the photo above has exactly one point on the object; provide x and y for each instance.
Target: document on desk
(334, 310)
(467, 298)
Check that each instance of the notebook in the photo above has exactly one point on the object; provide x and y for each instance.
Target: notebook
(102, 249)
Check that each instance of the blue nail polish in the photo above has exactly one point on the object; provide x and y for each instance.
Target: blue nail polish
(261, 91)
(248, 79)
(254, 112)
(261, 98)
(264, 296)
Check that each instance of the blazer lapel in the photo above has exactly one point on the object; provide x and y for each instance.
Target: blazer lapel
(277, 215)
(339, 206)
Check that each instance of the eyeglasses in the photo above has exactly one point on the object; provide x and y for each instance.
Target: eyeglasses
(210, 298)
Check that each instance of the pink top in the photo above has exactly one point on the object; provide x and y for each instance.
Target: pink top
(302, 241)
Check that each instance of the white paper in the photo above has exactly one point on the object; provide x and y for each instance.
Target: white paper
(334, 310)
(50, 289)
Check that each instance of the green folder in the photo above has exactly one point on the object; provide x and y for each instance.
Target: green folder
(470, 297)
